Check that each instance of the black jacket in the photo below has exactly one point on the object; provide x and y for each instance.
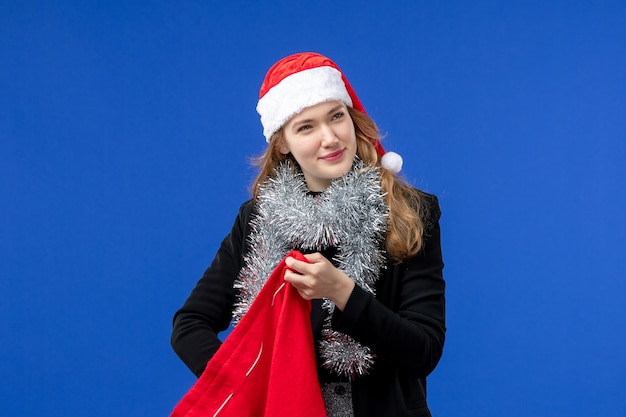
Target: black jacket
(404, 323)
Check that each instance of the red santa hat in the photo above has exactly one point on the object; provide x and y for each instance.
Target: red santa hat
(303, 80)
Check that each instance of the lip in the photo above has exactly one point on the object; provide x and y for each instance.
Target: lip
(333, 156)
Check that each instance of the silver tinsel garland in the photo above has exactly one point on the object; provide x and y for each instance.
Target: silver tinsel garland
(350, 215)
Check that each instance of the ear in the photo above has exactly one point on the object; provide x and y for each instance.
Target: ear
(284, 150)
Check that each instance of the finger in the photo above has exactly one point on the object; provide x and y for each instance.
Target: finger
(304, 291)
(292, 277)
(305, 295)
(296, 265)
(297, 280)
(315, 257)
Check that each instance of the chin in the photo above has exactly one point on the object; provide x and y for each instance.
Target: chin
(341, 171)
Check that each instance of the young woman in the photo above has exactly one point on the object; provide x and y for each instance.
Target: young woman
(327, 188)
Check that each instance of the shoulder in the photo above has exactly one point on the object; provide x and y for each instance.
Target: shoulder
(242, 219)
(426, 205)
(247, 207)
(431, 205)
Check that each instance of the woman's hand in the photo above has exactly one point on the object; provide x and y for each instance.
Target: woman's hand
(319, 279)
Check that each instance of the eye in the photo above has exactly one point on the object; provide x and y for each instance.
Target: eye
(338, 115)
(303, 128)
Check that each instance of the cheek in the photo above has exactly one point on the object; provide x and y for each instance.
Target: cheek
(303, 148)
(347, 133)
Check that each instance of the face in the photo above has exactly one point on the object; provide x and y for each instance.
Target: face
(322, 140)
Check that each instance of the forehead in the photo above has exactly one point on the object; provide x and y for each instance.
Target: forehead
(317, 110)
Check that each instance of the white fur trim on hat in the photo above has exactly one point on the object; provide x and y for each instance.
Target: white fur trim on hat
(297, 92)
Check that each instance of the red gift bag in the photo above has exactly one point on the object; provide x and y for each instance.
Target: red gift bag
(266, 366)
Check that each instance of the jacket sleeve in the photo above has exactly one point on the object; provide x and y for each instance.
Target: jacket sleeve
(207, 310)
(404, 323)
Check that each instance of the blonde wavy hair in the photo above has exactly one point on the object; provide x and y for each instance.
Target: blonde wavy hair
(407, 208)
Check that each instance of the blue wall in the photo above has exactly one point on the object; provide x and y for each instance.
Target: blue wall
(125, 134)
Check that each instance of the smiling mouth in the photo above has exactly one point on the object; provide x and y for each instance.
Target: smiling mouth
(333, 156)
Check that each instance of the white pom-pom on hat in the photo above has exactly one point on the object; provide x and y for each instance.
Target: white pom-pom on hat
(392, 161)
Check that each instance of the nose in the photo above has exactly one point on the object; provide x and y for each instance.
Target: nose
(329, 137)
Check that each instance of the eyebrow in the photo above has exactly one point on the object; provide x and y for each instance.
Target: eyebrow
(333, 110)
